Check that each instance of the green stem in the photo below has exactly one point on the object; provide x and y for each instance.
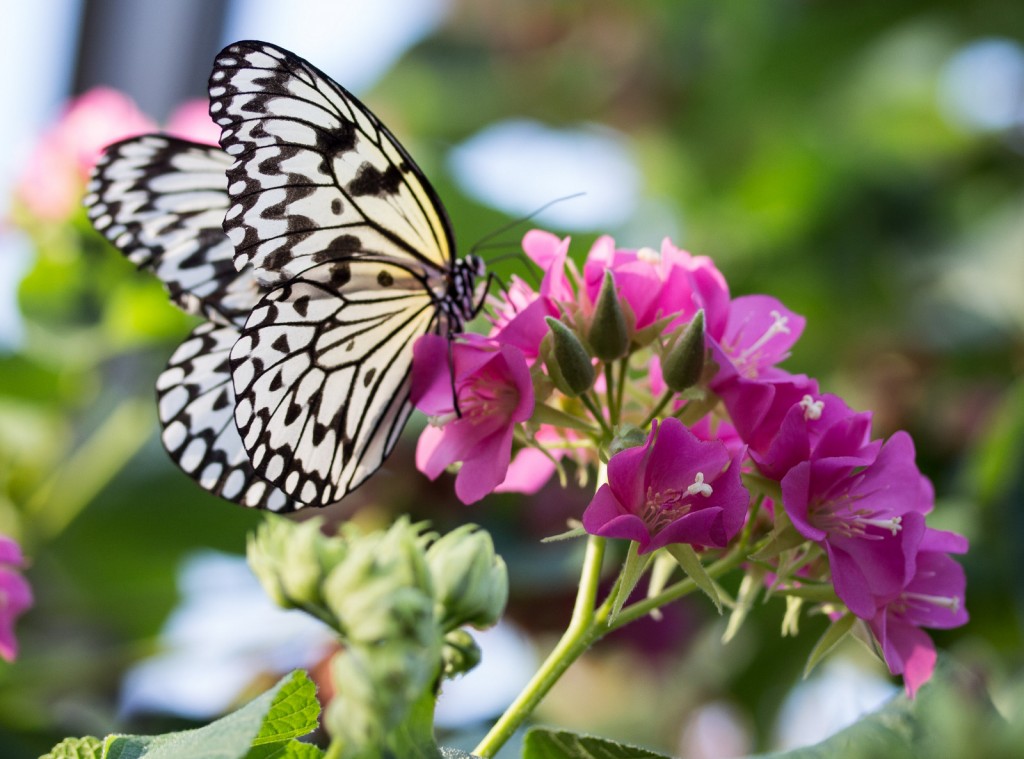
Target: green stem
(675, 591)
(609, 389)
(595, 411)
(578, 637)
(620, 390)
(665, 398)
(90, 468)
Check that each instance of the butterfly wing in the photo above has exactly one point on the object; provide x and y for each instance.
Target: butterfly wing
(315, 176)
(161, 201)
(328, 205)
(322, 376)
(196, 405)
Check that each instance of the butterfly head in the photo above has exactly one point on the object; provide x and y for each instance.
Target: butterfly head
(464, 287)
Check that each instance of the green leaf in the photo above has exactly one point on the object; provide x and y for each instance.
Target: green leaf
(562, 744)
(687, 558)
(293, 749)
(76, 748)
(287, 710)
(544, 414)
(575, 532)
(632, 570)
(750, 588)
(829, 640)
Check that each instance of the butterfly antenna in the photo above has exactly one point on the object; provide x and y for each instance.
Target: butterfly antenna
(480, 244)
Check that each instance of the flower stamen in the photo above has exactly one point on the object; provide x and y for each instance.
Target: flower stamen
(699, 487)
(812, 408)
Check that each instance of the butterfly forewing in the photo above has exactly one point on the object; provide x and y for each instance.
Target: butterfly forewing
(161, 201)
(322, 375)
(196, 404)
(315, 175)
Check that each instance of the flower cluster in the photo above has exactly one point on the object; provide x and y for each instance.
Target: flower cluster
(642, 361)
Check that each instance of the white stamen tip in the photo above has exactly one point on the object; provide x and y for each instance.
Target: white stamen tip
(699, 487)
(812, 408)
(649, 255)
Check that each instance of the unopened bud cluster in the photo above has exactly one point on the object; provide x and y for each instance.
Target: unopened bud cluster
(397, 598)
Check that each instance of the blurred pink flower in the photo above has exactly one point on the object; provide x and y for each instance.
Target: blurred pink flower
(191, 121)
(15, 595)
(656, 284)
(673, 489)
(494, 391)
(53, 179)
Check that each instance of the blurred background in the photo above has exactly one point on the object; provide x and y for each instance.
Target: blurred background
(861, 161)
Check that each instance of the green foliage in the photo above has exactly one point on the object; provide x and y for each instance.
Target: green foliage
(562, 744)
(76, 748)
(264, 728)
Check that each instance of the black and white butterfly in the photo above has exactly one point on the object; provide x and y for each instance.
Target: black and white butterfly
(335, 255)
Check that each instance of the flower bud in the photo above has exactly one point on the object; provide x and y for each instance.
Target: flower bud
(291, 559)
(459, 654)
(470, 580)
(375, 689)
(608, 335)
(683, 363)
(569, 363)
(382, 590)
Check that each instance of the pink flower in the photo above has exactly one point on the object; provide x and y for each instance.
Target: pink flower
(15, 595)
(191, 121)
(494, 390)
(812, 425)
(659, 284)
(868, 511)
(673, 489)
(934, 597)
(758, 334)
(54, 177)
(518, 318)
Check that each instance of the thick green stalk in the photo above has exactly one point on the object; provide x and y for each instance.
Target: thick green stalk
(578, 637)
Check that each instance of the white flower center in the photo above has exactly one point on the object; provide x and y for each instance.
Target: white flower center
(699, 487)
(812, 408)
(649, 255)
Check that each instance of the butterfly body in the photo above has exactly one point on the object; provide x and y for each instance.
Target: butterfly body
(344, 253)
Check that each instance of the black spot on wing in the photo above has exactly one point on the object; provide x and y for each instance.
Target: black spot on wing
(370, 180)
(385, 279)
(340, 274)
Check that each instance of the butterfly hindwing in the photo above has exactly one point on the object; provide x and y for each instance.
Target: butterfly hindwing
(322, 375)
(196, 404)
(315, 175)
(161, 201)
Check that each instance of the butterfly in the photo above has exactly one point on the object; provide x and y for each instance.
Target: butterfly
(319, 253)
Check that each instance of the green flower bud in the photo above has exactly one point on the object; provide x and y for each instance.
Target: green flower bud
(382, 590)
(569, 363)
(459, 654)
(375, 688)
(683, 364)
(470, 580)
(291, 559)
(608, 335)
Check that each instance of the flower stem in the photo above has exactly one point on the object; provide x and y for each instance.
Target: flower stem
(662, 403)
(595, 411)
(577, 638)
